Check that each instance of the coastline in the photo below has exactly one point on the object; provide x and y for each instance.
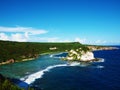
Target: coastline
(97, 48)
(28, 59)
(23, 60)
(92, 48)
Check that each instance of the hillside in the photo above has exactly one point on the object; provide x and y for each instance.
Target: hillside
(17, 51)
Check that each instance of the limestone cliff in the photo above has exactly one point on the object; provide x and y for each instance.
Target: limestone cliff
(80, 55)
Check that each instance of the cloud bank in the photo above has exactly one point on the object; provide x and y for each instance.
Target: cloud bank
(18, 29)
(29, 34)
(20, 34)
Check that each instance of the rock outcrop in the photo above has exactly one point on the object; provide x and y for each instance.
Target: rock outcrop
(8, 61)
(95, 48)
(80, 55)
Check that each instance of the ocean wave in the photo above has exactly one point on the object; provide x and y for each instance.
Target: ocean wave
(31, 78)
(73, 63)
(51, 56)
(99, 66)
(101, 60)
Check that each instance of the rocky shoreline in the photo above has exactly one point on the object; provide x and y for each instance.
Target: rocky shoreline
(96, 48)
(86, 56)
(78, 54)
(13, 61)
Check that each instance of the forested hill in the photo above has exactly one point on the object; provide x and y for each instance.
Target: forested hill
(18, 51)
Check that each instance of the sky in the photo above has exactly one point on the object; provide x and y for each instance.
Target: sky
(84, 21)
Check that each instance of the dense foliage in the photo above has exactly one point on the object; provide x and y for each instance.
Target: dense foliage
(6, 84)
(23, 50)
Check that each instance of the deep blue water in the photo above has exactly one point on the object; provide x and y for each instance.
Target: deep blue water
(55, 74)
(91, 77)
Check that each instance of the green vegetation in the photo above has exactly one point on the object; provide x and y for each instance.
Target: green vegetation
(23, 50)
(18, 51)
(6, 84)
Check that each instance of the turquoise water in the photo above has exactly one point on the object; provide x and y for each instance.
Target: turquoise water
(22, 69)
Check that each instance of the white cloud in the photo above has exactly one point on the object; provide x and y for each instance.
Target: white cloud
(26, 34)
(65, 40)
(49, 39)
(19, 37)
(20, 34)
(14, 37)
(100, 42)
(17, 29)
(45, 39)
(3, 36)
(80, 40)
(57, 40)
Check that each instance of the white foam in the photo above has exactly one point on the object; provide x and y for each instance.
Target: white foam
(31, 78)
(51, 56)
(73, 64)
(99, 66)
(101, 60)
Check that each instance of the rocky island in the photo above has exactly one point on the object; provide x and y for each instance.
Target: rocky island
(80, 55)
(86, 55)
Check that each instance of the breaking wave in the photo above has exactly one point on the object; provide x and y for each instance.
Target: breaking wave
(31, 78)
(101, 60)
(99, 66)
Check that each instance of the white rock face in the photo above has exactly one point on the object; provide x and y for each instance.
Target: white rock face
(80, 55)
(87, 56)
(70, 58)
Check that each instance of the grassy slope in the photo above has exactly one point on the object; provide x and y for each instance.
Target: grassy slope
(22, 50)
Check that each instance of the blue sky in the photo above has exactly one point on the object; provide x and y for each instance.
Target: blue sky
(86, 21)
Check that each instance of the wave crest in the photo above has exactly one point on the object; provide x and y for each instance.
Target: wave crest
(31, 78)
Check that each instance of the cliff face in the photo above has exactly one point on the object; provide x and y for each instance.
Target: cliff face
(88, 56)
(80, 55)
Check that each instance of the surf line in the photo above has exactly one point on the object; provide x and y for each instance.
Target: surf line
(31, 78)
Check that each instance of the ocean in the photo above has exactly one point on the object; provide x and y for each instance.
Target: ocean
(49, 72)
